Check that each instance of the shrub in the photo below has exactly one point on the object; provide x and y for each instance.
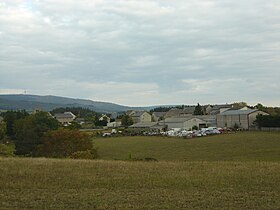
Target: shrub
(194, 127)
(88, 154)
(66, 143)
(6, 150)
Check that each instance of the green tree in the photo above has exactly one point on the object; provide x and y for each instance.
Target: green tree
(268, 121)
(67, 143)
(126, 121)
(2, 130)
(30, 130)
(198, 110)
(10, 118)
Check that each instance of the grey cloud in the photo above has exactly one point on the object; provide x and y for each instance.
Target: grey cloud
(150, 42)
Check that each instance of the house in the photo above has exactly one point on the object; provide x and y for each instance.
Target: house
(104, 117)
(114, 124)
(65, 118)
(175, 112)
(217, 109)
(185, 123)
(157, 116)
(242, 118)
(140, 116)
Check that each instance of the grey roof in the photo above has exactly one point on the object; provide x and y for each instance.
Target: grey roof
(64, 115)
(138, 113)
(218, 107)
(159, 114)
(143, 125)
(238, 112)
(180, 112)
(180, 119)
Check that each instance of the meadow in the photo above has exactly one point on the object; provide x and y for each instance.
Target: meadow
(242, 146)
(233, 171)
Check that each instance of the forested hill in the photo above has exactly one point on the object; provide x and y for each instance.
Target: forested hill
(48, 103)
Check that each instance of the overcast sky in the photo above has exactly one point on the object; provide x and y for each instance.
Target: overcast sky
(142, 52)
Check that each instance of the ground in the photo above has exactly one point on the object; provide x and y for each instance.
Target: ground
(236, 171)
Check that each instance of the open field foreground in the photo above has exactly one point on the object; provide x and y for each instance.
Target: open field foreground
(80, 184)
(242, 146)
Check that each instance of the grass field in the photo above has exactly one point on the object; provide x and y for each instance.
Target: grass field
(235, 171)
(244, 146)
(77, 184)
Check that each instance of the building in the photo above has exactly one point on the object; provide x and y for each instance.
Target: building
(157, 116)
(185, 123)
(217, 109)
(175, 112)
(65, 118)
(104, 117)
(140, 116)
(242, 118)
(114, 124)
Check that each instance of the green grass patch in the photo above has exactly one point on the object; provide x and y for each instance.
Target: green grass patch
(243, 146)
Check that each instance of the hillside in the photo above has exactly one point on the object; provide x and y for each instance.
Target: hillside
(48, 103)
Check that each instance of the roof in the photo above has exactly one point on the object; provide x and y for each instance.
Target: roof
(180, 112)
(159, 114)
(65, 115)
(218, 107)
(238, 112)
(143, 125)
(138, 113)
(181, 119)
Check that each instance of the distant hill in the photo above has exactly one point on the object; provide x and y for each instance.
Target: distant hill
(48, 103)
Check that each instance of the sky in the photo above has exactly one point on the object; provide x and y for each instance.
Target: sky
(142, 52)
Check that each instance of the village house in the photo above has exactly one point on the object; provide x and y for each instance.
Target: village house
(243, 118)
(175, 112)
(65, 118)
(157, 116)
(140, 116)
(114, 124)
(104, 117)
(217, 109)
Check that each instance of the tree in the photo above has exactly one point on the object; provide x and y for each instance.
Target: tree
(198, 110)
(126, 121)
(2, 130)
(10, 118)
(267, 121)
(67, 143)
(30, 130)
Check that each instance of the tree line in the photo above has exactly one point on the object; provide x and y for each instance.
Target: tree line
(41, 135)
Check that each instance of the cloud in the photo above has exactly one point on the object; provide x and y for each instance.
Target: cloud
(163, 45)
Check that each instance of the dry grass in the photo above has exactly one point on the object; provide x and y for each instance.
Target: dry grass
(77, 184)
(240, 171)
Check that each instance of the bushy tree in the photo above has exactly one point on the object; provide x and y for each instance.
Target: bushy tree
(10, 118)
(67, 143)
(6, 150)
(30, 130)
(268, 121)
(2, 130)
(126, 121)
(198, 110)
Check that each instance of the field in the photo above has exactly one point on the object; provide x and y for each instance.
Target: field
(244, 146)
(235, 171)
